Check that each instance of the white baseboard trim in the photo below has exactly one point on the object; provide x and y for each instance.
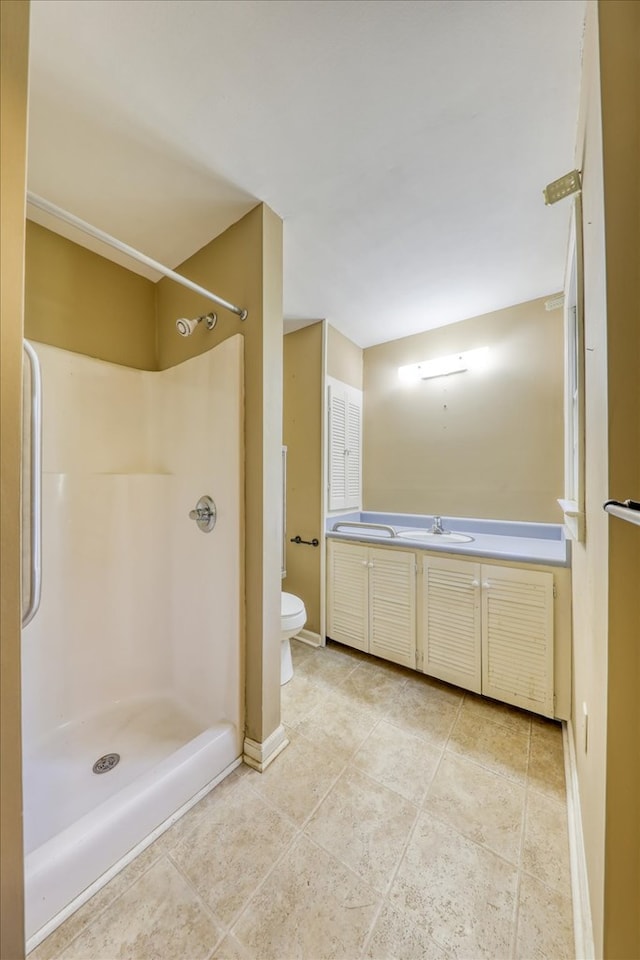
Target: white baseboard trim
(582, 924)
(260, 755)
(309, 637)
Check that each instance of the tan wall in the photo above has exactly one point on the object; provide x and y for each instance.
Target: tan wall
(244, 265)
(14, 38)
(475, 444)
(302, 433)
(620, 86)
(344, 359)
(79, 301)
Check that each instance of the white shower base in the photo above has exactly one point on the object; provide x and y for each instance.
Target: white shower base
(79, 824)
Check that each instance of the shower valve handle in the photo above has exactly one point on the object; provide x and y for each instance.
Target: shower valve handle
(205, 514)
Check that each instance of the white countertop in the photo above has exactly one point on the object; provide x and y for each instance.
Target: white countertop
(522, 542)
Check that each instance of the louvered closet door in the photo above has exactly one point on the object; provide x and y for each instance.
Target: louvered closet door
(348, 594)
(517, 653)
(451, 622)
(337, 449)
(354, 446)
(392, 606)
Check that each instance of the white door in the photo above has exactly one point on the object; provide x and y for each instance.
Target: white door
(348, 594)
(451, 621)
(517, 649)
(392, 606)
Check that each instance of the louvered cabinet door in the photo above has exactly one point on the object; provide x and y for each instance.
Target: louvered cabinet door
(348, 594)
(353, 452)
(451, 622)
(337, 449)
(517, 650)
(392, 606)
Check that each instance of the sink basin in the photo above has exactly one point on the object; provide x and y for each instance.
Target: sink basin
(428, 537)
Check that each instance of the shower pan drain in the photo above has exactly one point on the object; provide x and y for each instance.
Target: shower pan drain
(106, 763)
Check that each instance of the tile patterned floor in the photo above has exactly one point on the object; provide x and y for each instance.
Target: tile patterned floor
(407, 820)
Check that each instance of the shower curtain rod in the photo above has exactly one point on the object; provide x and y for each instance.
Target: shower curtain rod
(98, 234)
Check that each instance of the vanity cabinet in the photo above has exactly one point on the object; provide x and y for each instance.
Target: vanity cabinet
(485, 627)
(489, 628)
(371, 600)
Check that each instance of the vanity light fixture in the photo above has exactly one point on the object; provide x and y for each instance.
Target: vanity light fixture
(444, 366)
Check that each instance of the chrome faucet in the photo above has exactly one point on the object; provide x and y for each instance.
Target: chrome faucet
(437, 526)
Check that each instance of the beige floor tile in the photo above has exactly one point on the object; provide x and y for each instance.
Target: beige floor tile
(498, 712)
(546, 762)
(232, 949)
(546, 729)
(326, 665)
(545, 923)
(341, 649)
(375, 665)
(301, 651)
(158, 918)
(327, 669)
(299, 778)
(311, 907)
(502, 749)
(460, 893)
(182, 827)
(480, 804)
(396, 936)
(399, 760)
(364, 825)
(53, 946)
(299, 698)
(230, 851)
(373, 689)
(545, 853)
(424, 712)
(337, 726)
(435, 689)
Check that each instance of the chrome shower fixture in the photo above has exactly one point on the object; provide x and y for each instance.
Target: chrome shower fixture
(186, 327)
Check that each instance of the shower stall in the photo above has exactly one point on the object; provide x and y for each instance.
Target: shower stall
(132, 666)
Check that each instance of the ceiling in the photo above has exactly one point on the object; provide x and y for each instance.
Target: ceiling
(404, 144)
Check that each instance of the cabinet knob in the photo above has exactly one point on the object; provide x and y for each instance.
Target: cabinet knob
(475, 583)
(371, 563)
(486, 584)
(365, 563)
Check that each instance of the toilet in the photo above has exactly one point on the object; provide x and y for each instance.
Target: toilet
(293, 617)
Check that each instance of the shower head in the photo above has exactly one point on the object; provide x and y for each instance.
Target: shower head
(186, 327)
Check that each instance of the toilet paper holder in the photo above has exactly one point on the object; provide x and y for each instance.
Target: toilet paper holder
(310, 543)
